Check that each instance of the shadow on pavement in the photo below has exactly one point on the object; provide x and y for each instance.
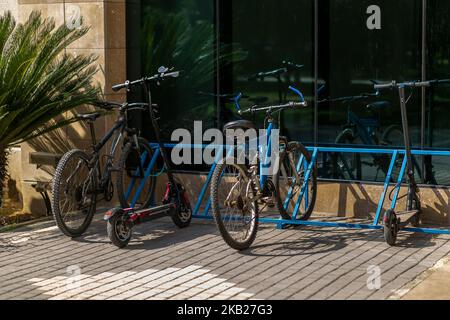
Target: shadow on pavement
(323, 241)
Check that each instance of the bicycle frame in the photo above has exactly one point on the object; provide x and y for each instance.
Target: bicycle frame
(268, 152)
(104, 175)
(263, 178)
(119, 130)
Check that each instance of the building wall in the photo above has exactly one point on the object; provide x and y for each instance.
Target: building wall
(11, 5)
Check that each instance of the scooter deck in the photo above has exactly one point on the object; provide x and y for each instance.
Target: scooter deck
(406, 217)
(154, 213)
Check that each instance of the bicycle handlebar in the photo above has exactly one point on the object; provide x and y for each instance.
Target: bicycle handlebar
(287, 67)
(263, 75)
(157, 77)
(352, 98)
(411, 84)
(272, 109)
(292, 65)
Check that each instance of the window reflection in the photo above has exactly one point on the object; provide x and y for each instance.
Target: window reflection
(220, 45)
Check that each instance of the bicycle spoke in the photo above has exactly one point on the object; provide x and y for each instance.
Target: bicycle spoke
(237, 211)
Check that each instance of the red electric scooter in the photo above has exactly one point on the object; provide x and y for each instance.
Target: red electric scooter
(175, 202)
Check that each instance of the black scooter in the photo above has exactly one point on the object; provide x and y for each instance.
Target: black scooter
(395, 221)
(175, 203)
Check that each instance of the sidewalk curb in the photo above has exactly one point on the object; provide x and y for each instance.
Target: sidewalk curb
(400, 293)
(13, 227)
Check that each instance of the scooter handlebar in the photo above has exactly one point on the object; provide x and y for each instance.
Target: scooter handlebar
(411, 84)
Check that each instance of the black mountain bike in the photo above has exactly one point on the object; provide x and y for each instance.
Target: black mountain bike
(81, 178)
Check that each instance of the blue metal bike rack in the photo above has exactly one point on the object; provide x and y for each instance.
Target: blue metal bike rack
(315, 151)
(375, 225)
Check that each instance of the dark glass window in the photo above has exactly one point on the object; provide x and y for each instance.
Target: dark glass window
(220, 44)
(270, 33)
(437, 133)
(180, 34)
(351, 57)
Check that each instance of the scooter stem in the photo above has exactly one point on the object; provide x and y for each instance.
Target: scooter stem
(157, 131)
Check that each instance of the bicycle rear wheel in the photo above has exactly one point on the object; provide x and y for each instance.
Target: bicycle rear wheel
(288, 189)
(74, 193)
(134, 190)
(233, 205)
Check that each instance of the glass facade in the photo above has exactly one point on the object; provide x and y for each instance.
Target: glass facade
(344, 46)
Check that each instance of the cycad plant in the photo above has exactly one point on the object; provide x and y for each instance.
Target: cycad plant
(39, 81)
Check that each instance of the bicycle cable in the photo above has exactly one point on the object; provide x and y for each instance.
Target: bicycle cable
(399, 198)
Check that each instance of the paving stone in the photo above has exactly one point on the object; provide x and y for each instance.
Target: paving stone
(163, 262)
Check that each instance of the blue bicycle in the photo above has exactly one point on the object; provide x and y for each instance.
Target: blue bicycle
(240, 190)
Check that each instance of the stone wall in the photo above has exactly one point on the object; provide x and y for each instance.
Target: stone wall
(346, 200)
(11, 5)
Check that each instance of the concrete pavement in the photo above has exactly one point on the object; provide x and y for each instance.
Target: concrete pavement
(163, 262)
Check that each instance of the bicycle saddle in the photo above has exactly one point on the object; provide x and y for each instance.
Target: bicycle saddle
(89, 116)
(380, 105)
(239, 124)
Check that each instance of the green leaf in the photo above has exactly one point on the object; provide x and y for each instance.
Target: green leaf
(38, 81)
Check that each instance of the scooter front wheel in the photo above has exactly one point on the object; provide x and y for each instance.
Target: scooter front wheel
(391, 227)
(119, 231)
(183, 215)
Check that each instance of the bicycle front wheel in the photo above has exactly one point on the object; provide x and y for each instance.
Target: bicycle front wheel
(74, 193)
(234, 207)
(295, 197)
(135, 179)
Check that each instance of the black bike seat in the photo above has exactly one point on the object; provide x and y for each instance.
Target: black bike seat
(239, 124)
(380, 105)
(89, 116)
(259, 100)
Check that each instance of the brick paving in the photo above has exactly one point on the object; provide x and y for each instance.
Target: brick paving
(163, 262)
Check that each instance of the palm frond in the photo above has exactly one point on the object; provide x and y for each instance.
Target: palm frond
(39, 82)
